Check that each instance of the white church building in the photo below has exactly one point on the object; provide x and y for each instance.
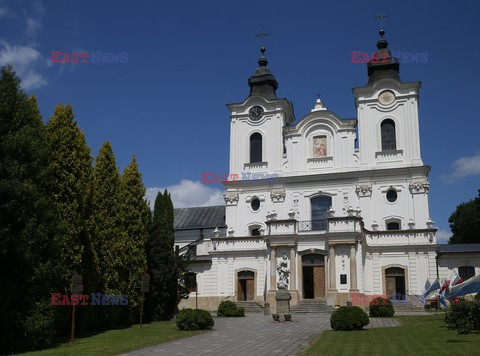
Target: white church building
(338, 206)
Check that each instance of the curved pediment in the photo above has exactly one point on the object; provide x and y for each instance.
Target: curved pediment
(321, 119)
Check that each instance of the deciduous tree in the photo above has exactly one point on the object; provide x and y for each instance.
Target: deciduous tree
(465, 222)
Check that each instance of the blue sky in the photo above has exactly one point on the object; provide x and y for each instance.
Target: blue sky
(187, 59)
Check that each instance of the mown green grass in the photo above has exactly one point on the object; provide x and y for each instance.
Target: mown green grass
(114, 342)
(417, 335)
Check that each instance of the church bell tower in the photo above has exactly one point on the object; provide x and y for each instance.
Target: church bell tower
(387, 110)
(256, 129)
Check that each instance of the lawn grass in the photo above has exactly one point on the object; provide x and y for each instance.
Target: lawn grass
(114, 342)
(417, 335)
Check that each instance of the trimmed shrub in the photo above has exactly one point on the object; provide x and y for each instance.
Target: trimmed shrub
(464, 316)
(381, 307)
(349, 318)
(240, 312)
(194, 319)
(229, 309)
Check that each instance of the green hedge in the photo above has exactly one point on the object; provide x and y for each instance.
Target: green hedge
(381, 307)
(230, 309)
(194, 319)
(349, 318)
(464, 316)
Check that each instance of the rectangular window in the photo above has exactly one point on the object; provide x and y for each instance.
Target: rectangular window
(466, 272)
(343, 279)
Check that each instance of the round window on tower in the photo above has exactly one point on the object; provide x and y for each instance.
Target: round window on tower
(392, 195)
(255, 204)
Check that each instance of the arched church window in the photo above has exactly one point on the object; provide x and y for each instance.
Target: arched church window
(466, 272)
(256, 148)
(393, 225)
(320, 206)
(389, 142)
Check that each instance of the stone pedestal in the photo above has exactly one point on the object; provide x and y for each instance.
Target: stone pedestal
(283, 301)
(295, 296)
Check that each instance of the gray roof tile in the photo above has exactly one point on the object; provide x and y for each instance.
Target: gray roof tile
(197, 218)
(458, 248)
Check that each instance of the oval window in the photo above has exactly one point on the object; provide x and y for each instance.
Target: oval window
(392, 196)
(255, 204)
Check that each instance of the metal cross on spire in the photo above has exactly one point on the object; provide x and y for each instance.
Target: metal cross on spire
(381, 17)
(263, 35)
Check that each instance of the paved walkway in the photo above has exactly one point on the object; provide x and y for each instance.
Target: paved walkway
(253, 335)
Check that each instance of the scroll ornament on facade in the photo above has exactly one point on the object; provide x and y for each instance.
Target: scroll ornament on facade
(419, 186)
(277, 195)
(364, 190)
(231, 198)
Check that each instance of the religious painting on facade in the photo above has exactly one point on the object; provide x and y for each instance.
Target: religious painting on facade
(320, 146)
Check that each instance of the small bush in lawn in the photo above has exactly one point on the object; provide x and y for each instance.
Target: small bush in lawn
(381, 307)
(194, 319)
(349, 318)
(228, 308)
(464, 317)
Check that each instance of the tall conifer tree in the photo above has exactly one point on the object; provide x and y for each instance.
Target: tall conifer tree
(135, 216)
(72, 179)
(161, 261)
(71, 168)
(29, 268)
(108, 232)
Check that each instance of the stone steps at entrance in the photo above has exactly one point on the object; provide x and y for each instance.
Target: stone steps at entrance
(311, 306)
(250, 307)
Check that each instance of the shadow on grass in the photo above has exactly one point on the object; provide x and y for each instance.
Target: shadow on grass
(64, 339)
(457, 341)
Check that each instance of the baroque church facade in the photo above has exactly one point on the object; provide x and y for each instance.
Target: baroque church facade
(312, 210)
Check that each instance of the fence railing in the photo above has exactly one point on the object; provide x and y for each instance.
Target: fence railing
(312, 225)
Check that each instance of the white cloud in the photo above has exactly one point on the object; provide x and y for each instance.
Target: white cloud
(26, 62)
(443, 236)
(33, 26)
(6, 12)
(463, 167)
(189, 193)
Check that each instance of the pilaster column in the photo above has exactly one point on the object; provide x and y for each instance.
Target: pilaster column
(353, 268)
(293, 269)
(331, 268)
(273, 269)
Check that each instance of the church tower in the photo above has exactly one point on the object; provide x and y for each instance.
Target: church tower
(256, 130)
(387, 110)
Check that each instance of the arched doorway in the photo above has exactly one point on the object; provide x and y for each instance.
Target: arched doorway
(395, 282)
(313, 268)
(245, 285)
